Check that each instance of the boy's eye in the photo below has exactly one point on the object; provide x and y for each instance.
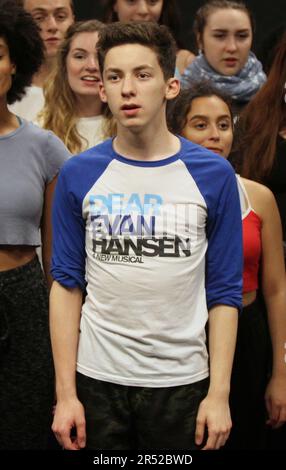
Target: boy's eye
(38, 18)
(61, 17)
(143, 75)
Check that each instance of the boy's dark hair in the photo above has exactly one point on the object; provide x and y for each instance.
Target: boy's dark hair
(25, 46)
(149, 34)
(178, 109)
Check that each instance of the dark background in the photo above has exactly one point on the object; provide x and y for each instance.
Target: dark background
(269, 14)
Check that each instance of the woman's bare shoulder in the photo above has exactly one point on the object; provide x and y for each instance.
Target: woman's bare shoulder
(260, 196)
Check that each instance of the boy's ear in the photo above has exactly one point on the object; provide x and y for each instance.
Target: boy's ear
(172, 88)
(102, 93)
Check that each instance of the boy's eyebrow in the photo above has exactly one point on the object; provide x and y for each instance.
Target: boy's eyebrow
(136, 69)
(45, 10)
(144, 66)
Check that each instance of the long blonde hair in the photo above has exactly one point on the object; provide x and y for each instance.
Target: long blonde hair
(58, 114)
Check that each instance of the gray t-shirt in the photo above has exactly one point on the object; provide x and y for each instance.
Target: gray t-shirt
(30, 158)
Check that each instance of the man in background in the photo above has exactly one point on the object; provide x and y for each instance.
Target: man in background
(53, 18)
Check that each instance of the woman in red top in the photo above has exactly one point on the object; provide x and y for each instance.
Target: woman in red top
(203, 115)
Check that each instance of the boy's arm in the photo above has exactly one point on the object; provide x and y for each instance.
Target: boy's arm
(68, 271)
(65, 310)
(214, 412)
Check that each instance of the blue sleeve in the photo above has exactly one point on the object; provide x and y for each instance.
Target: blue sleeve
(68, 260)
(224, 258)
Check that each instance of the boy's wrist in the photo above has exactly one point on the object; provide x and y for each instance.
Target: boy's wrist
(219, 392)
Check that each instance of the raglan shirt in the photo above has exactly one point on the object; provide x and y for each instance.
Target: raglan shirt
(156, 244)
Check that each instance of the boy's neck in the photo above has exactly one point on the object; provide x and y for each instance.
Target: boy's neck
(147, 145)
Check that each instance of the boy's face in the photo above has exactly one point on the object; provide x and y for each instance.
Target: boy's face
(53, 18)
(134, 86)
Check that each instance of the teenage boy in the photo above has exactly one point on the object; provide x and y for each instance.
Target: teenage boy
(149, 224)
(53, 18)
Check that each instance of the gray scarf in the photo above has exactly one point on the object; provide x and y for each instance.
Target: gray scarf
(241, 87)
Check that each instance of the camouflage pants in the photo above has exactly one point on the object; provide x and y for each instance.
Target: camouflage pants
(124, 417)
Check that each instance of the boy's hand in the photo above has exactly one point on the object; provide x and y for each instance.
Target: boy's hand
(69, 415)
(213, 417)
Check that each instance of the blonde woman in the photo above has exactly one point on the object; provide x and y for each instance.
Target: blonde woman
(73, 109)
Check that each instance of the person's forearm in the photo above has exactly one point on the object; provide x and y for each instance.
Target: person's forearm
(222, 341)
(276, 313)
(65, 311)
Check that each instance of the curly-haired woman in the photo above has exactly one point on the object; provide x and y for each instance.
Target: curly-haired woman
(30, 159)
